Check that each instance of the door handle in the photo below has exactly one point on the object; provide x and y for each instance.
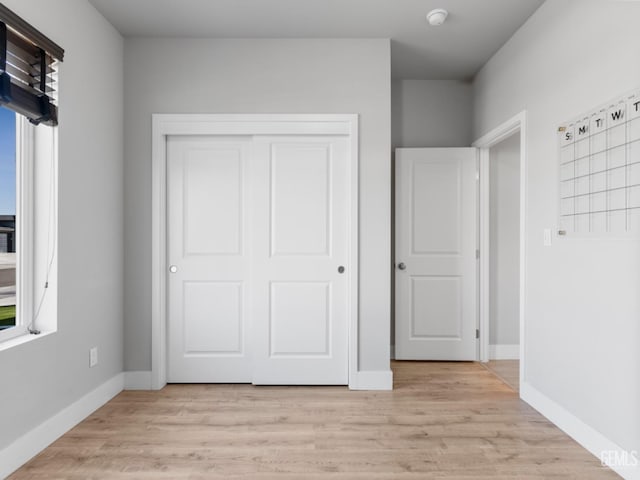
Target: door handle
(402, 266)
(340, 269)
(173, 269)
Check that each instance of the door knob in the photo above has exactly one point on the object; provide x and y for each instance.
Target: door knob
(173, 269)
(340, 269)
(402, 266)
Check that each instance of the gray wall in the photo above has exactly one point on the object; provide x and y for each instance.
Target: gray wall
(504, 255)
(582, 305)
(260, 76)
(431, 113)
(40, 378)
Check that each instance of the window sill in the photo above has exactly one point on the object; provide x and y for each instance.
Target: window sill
(26, 338)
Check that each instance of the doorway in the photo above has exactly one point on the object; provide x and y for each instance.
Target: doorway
(504, 276)
(502, 197)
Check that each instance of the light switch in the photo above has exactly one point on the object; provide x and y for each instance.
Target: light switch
(547, 237)
(93, 357)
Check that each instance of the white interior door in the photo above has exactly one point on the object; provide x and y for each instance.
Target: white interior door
(436, 225)
(258, 233)
(209, 253)
(300, 297)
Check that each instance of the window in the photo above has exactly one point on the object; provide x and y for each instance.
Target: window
(15, 214)
(8, 221)
(28, 98)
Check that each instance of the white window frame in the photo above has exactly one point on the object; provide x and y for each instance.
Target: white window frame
(24, 229)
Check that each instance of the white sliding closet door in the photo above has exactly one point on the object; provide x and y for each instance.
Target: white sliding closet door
(300, 297)
(209, 235)
(258, 245)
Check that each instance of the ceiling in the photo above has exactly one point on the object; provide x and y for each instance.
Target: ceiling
(474, 31)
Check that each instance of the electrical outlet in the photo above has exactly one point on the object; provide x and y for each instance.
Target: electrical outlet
(93, 357)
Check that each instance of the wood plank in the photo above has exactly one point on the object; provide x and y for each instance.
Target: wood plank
(442, 421)
(506, 370)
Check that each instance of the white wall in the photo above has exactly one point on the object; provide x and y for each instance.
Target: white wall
(40, 378)
(504, 255)
(260, 76)
(582, 303)
(431, 113)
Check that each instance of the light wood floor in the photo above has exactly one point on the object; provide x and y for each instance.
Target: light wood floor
(506, 370)
(442, 421)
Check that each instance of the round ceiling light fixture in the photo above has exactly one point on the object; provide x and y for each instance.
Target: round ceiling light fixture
(437, 17)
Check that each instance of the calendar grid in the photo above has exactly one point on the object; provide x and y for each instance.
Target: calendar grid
(602, 191)
(626, 173)
(599, 170)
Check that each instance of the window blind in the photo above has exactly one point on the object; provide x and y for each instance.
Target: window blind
(28, 76)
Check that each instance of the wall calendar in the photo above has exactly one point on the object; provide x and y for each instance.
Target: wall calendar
(599, 156)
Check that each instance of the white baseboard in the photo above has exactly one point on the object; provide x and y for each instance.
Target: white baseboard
(504, 352)
(137, 380)
(592, 440)
(372, 380)
(31, 443)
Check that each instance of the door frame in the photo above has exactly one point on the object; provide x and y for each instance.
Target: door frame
(164, 125)
(512, 126)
